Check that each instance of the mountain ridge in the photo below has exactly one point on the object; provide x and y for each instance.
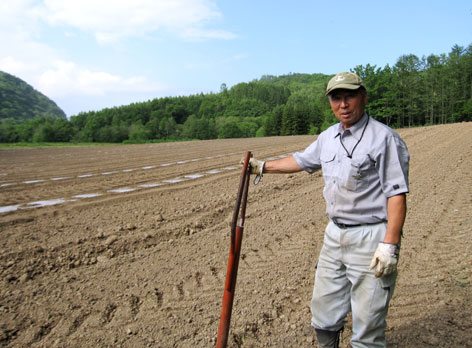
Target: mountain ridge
(19, 101)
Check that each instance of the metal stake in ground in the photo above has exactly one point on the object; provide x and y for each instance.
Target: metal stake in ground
(234, 251)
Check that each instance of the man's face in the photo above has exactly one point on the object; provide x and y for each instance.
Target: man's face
(348, 106)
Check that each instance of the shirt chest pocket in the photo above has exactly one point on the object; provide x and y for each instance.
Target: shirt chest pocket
(358, 172)
(328, 164)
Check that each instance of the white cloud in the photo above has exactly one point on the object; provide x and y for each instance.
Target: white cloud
(14, 67)
(19, 17)
(112, 20)
(66, 78)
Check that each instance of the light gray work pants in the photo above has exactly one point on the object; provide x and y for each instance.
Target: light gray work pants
(343, 282)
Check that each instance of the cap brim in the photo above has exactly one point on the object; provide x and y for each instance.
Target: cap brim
(343, 86)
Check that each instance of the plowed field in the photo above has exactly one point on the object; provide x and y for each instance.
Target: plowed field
(127, 246)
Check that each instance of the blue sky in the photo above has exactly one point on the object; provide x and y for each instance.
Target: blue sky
(92, 54)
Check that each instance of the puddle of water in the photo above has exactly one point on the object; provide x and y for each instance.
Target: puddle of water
(63, 178)
(196, 159)
(108, 173)
(181, 162)
(166, 164)
(282, 156)
(150, 185)
(122, 190)
(46, 203)
(88, 195)
(214, 171)
(228, 168)
(127, 170)
(32, 181)
(193, 176)
(85, 176)
(8, 208)
(149, 167)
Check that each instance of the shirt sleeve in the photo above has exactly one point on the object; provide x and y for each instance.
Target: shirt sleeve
(309, 159)
(393, 165)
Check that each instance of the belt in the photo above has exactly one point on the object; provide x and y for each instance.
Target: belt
(344, 226)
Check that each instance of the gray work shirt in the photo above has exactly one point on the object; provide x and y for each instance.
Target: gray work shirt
(356, 189)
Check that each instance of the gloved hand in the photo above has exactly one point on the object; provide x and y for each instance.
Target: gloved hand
(255, 166)
(385, 259)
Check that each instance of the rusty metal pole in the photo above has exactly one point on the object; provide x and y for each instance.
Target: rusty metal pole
(234, 251)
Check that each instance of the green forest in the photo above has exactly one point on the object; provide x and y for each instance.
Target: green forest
(415, 91)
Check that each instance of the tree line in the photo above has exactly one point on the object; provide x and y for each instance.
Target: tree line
(414, 92)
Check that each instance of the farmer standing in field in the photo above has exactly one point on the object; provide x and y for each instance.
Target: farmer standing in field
(365, 170)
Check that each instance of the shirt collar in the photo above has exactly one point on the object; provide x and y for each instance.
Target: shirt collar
(356, 129)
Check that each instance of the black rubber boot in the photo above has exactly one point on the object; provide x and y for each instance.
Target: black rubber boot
(328, 339)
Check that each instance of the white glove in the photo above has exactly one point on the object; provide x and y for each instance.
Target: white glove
(257, 167)
(385, 258)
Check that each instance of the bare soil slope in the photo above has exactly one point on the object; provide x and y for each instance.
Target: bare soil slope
(127, 246)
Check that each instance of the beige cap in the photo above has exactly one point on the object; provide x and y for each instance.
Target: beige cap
(345, 80)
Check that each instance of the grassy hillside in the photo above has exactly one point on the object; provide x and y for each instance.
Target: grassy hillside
(20, 102)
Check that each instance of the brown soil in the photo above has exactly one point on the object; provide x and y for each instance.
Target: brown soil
(146, 268)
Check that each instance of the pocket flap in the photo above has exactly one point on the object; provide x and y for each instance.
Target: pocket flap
(327, 157)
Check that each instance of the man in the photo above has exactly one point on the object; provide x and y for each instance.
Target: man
(365, 170)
